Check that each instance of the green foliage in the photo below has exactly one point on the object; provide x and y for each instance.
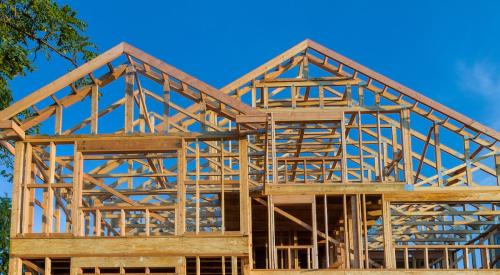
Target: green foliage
(29, 28)
(5, 205)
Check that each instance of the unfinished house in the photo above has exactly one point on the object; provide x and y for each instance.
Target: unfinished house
(309, 164)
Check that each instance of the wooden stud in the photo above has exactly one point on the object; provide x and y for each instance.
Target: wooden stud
(94, 111)
(129, 100)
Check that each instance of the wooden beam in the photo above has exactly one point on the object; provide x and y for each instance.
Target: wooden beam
(129, 146)
(129, 246)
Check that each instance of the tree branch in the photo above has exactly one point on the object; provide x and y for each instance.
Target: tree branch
(43, 42)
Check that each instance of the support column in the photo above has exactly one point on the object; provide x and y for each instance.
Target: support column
(76, 198)
(180, 225)
(17, 189)
(244, 195)
(129, 99)
(271, 233)
(15, 266)
(315, 234)
(406, 142)
(389, 256)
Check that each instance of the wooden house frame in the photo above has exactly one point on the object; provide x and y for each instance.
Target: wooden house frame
(311, 163)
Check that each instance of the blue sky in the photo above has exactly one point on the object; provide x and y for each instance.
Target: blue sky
(447, 50)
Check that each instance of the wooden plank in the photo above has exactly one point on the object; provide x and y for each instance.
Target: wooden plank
(437, 150)
(332, 189)
(17, 189)
(27, 178)
(129, 246)
(94, 109)
(293, 199)
(76, 201)
(50, 191)
(245, 203)
(458, 194)
(129, 146)
(152, 261)
(291, 117)
(129, 100)
(387, 233)
(181, 189)
(315, 260)
(48, 266)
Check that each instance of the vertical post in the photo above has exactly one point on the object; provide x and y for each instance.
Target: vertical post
(166, 104)
(315, 234)
(347, 252)
(358, 238)
(58, 119)
(365, 231)
(321, 94)
(344, 150)
(379, 149)
(129, 99)
(254, 95)
(361, 97)
(15, 266)
(293, 91)
(197, 186)
(122, 223)
(223, 190)
(244, 193)
(15, 263)
(98, 222)
(181, 267)
(360, 145)
(395, 151)
(407, 265)
(327, 238)
(50, 191)
(25, 220)
(273, 151)
(446, 259)
(17, 189)
(94, 106)
(265, 96)
(437, 145)
(181, 188)
(466, 258)
(198, 265)
(76, 199)
(348, 95)
(234, 265)
(147, 226)
(48, 266)
(271, 233)
(406, 141)
(426, 258)
(468, 171)
(388, 247)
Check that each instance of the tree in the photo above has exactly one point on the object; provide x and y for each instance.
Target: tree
(29, 28)
(5, 205)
